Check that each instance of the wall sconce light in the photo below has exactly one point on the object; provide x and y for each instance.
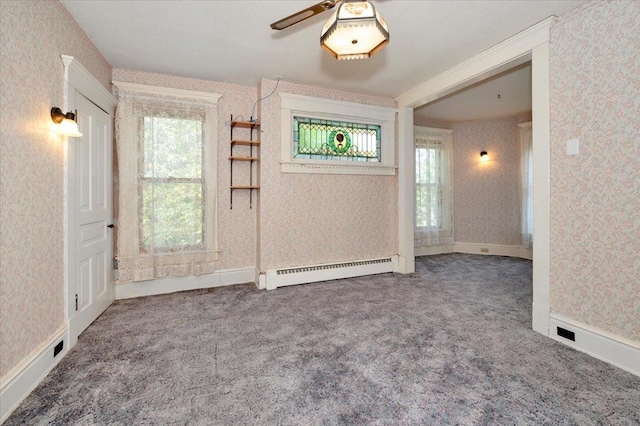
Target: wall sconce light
(484, 156)
(68, 126)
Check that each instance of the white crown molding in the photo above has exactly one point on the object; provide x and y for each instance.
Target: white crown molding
(498, 58)
(145, 89)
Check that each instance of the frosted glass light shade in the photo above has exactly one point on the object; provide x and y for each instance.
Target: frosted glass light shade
(354, 31)
(67, 125)
(69, 128)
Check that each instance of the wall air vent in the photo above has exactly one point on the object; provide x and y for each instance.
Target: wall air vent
(563, 332)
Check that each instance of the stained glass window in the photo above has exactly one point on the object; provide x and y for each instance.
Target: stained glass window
(318, 139)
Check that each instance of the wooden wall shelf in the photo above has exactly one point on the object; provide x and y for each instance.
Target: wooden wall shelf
(250, 143)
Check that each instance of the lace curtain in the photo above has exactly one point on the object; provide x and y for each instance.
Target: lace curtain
(526, 181)
(167, 160)
(434, 187)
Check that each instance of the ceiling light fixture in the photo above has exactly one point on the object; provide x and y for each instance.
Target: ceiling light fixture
(354, 31)
(68, 126)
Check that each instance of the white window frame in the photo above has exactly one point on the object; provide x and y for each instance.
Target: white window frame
(328, 109)
(446, 207)
(142, 179)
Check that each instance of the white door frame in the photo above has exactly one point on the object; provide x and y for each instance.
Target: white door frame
(77, 78)
(532, 45)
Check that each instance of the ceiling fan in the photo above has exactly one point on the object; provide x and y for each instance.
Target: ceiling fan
(354, 31)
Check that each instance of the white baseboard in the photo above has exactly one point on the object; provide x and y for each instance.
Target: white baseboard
(23, 378)
(615, 350)
(525, 253)
(221, 278)
(491, 249)
(431, 250)
(274, 278)
(540, 320)
(476, 248)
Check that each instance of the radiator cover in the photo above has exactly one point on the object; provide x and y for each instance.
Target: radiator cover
(275, 278)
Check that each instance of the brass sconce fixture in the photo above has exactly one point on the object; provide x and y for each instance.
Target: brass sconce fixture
(68, 126)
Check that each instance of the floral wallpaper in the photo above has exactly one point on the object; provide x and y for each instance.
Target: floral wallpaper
(309, 219)
(487, 193)
(33, 35)
(595, 196)
(237, 226)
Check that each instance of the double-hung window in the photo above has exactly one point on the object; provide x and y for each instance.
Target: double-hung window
(434, 188)
(172, 197)
(167, 158)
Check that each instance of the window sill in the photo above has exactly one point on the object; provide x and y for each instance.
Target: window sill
(337, 169)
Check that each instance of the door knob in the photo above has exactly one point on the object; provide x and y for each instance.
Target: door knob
(110, 226)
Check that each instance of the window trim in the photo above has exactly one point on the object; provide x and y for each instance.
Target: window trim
(329, 109)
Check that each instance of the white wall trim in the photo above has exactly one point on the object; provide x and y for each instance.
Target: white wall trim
(327, 271)
(24, 377)
(225, 277)
(512, 52)
(406, 191)
(615, 350)
(476, 248)
(336, 169)
(492, 249)
(431, 250)
(82, 80)
(76, 79)
(530, 44)
(541, 148)
(329, 109)
(168, 91)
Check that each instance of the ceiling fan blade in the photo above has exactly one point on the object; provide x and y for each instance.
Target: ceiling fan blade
(304, 14)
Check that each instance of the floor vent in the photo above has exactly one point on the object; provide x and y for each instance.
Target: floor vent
(329, 271)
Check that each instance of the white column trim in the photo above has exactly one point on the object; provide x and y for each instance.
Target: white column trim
(406, 192)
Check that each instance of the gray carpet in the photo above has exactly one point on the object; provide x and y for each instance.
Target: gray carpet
(450, 344)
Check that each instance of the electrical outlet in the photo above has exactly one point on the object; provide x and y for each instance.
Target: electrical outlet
(484, 250)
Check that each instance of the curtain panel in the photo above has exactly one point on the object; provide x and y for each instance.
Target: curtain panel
(526, 184)
(143, 254)
(434, 187)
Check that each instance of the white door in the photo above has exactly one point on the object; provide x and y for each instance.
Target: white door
(90, 156)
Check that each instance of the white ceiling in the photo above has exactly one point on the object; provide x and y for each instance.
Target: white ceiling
(231, 41)
(505, 94)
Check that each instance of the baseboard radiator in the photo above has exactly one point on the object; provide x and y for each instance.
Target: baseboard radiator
(329, 271)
